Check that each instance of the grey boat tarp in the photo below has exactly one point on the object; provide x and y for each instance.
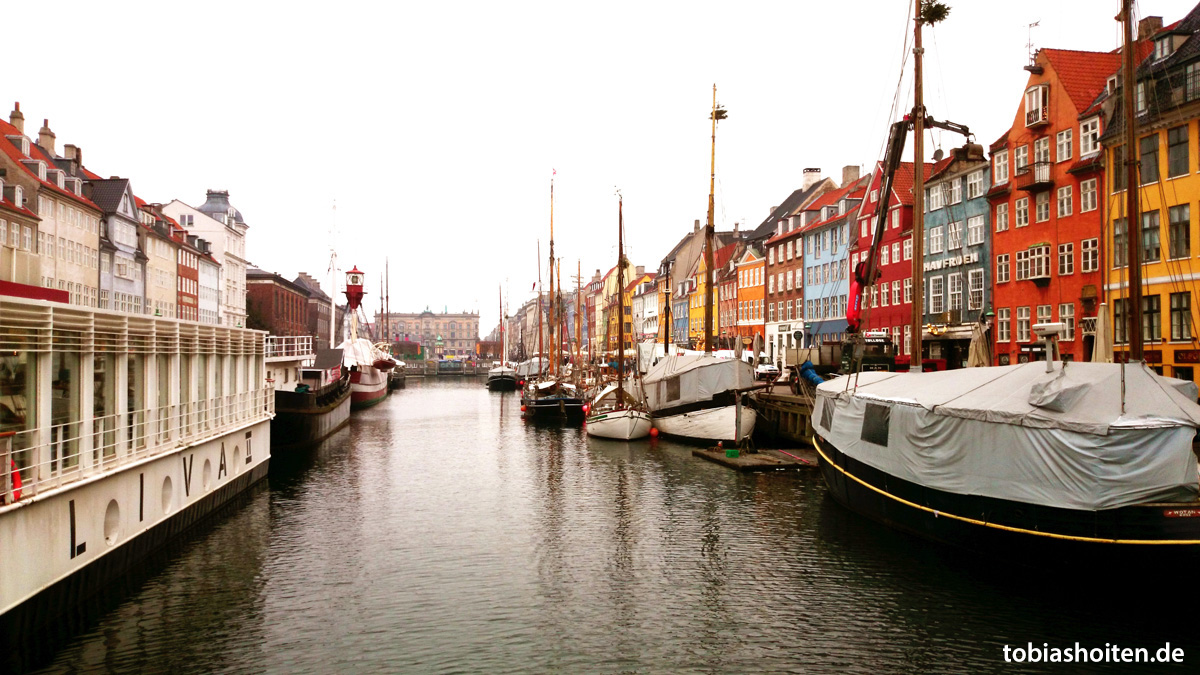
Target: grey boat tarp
(1060, 439)
(682, 379)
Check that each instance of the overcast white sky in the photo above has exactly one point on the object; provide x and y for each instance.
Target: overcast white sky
(436, 125)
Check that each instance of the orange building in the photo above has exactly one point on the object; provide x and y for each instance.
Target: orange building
(751, 295)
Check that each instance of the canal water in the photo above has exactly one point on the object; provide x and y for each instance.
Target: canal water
(441, 533)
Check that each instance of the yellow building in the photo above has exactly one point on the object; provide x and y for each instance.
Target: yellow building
(696, 303)
(1167, 103)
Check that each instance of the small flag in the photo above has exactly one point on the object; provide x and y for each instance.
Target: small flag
(533, 287)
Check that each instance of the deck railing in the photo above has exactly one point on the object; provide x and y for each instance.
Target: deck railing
(278, 346)
(119, 440)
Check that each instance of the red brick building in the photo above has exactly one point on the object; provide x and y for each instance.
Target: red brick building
(275, 304)
(1047, 182)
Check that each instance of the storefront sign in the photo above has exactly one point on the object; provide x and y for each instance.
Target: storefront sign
(952, 261)
(1187, 356)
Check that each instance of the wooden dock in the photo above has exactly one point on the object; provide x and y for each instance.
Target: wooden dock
(763, 460)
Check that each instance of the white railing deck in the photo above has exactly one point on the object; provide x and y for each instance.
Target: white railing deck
(289, 346)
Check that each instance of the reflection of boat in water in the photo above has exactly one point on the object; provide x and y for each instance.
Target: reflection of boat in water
(124, 430)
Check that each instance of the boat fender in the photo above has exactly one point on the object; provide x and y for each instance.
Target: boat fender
(16, 481)
(654, 432)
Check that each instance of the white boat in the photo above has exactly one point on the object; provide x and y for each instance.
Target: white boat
(118, 431)
(369, 368)
(701, 398)
(608, 419)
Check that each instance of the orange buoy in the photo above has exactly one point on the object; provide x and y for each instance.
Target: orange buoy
(653, 432)
(522, 408)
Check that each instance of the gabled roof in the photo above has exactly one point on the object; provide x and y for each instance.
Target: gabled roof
(722, 255)
(9, 206)
(793, 202)
(107, 193)
(751, 255)
(1081, 74)
(35, 152)
(855, 190)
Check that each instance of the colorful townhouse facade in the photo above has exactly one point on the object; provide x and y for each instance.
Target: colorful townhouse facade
(896, 274)
(957, 254)
(1047, 179)
(826, 237)
(1167, 111)
(751, 297)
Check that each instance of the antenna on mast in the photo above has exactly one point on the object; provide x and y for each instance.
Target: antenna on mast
(1029, 42)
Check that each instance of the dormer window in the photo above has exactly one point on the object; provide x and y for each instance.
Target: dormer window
(1162, 48)
(20, 142)
(1139, 103)
(18, 195)
(1111, 87)
(841, 207)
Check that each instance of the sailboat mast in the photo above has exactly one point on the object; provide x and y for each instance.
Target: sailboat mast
(918, 241)
(1133, 307)
(541, 354)
(578, 309)
(503, 333)
(620, 301)
(387, 302)
(551, 316)
(708, 233)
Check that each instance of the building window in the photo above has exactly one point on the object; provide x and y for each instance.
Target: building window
(1151, 318)
(1044, 314)
(936, 239)
(1003, 325)
(1120, 243)
(1022, 211)
(1000, 167)
(1041, 150)
(883, 255)
(1002, 268)
(1066, 259)
(1002, 217)
(955, 189)
(1064, 201)
(1118, 174)
(1087, 195)
(1089, 136)
(954, 236)
(1120, 321)
(933, 197)
(936, 300)
(975, 230)
(1090, 255)
(908, 249)
(1022, 324)
(1150, 237)
(1177, 151)
(975, 184)
(908, 290)
(1179, 233)
(896, 252)
(1181, 316)
(896, 292)
(956, 290)
(1042, 202)
(1149, 159)
(1063, 145)
(1021, 158)
(975, 289)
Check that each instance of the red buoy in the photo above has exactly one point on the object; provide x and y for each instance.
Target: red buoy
(653, 432)
(522, 408)
(586, 408)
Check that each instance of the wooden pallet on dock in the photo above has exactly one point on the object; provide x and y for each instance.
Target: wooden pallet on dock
(763, 460)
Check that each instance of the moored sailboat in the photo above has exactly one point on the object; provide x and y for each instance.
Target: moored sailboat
(369, 367)
(616, 413)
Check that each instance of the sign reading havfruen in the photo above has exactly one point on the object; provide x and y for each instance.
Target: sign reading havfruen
(952, 261)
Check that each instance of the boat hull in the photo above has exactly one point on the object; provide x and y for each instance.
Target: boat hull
(301, 426)
(368, 387)
(156, 501)
(1032, 533)
(707, 424)
(502, 383)
(622, 425)
(553, 407)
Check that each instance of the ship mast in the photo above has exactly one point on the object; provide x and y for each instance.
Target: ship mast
(1133, 307)
(541, 354)
(550, 318)
(620, 302)
(918, 241)
(717, 114)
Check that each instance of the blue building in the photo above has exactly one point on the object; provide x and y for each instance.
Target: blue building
(958, 246)
(827, 270)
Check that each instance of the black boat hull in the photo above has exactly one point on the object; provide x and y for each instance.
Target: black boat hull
(1030, 533)
(553, 407)
(502, 384)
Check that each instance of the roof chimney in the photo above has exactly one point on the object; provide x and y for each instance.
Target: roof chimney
(697, 225)
(639, 271)
(811, 176)
(16, 119)
(46, 138)
(1148, 26)
(850, 174)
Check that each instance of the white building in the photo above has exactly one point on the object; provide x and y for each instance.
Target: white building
(218, 222)
(210, 290)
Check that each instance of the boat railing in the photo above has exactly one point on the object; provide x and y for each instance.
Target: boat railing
(280, 346)
(118, 440)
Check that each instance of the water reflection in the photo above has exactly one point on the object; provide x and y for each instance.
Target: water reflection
(442, 532)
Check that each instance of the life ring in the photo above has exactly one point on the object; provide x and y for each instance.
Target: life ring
(16, 481)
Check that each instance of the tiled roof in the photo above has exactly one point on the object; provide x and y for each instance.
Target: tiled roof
(790, 204)
(722, 255)
(940, 167)
(107, 193)
(1082, 74)
(1000, 142)
(9, 206)
(902, 185)
(1093, 163)
(7, 129)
